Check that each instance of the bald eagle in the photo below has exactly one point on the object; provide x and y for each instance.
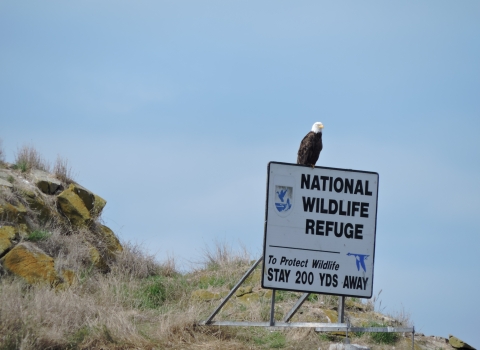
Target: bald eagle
(311, 146)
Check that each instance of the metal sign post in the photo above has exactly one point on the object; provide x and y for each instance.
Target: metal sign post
(285, 324)
(320, 226)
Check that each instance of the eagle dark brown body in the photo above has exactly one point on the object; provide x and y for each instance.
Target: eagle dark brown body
(310, 149)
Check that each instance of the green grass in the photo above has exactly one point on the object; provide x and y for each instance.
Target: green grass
(153, 293)
(38, 235)
(86, 273)
(214, 281)
(11, 342)
(327, 337)
(382, 338)
(271, 340)
(78, 337)
(21, 165)
(282, 295)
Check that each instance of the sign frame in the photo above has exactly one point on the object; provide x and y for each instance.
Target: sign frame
(285, 205)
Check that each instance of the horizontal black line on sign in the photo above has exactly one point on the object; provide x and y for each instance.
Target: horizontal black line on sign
(312, 250)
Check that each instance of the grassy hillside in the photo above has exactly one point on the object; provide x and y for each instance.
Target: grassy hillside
(142, 304)
(131, 301)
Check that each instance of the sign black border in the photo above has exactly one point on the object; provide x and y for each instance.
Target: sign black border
(266, 220)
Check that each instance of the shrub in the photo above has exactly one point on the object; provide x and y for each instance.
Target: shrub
(134, 262)
(38, 235)
(62, 170)
(282, 295)
(27, 157)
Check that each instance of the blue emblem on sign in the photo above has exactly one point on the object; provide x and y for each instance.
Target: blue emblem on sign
(360, 260)
(283, 198)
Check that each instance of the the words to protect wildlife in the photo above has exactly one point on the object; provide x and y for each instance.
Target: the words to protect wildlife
(320, 230)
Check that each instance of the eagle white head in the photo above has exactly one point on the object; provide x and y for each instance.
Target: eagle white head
(317, 127)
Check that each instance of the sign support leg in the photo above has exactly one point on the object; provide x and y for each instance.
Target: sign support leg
(272, 309)
(234, 289)
(413, 338)
(295, 307)
(341, 309)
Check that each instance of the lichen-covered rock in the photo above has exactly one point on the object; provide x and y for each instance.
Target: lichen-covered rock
(205, 295)
(46, 182)
(354, 305)
(69, 278)
(5, 178)
(254, 277)
(243, 290)
(111, 241)
(8, 235)
(97, 259)
(94, 203)
(86, 196)
(31, 263)
(98, 205)
(11, 213)
(265, 293)
(331, 315)
(4, 174)
(37, 204)
(248, 298)
(341, 346)
(458, 344)
(72, 206)
(5, 183)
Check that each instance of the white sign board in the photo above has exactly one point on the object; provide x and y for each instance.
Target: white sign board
(320, 230)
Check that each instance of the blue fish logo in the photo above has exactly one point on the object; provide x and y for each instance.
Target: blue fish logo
(360, 260)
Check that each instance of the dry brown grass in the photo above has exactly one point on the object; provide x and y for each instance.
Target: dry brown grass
(62, 170)
(135, 263)
(27, 157)
(69, 251)
(115, 311)
(99, 310)
(142, 304)
(223, 254)
(40, 317)
(2, 153)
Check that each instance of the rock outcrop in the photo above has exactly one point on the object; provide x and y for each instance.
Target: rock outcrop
(4, 177)
(458, 344)
(71, 205)
(7, 239)
(31, 263)
(47, 183)
(34, 203)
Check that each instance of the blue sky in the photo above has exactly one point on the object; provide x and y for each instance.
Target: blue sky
(171, 111)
